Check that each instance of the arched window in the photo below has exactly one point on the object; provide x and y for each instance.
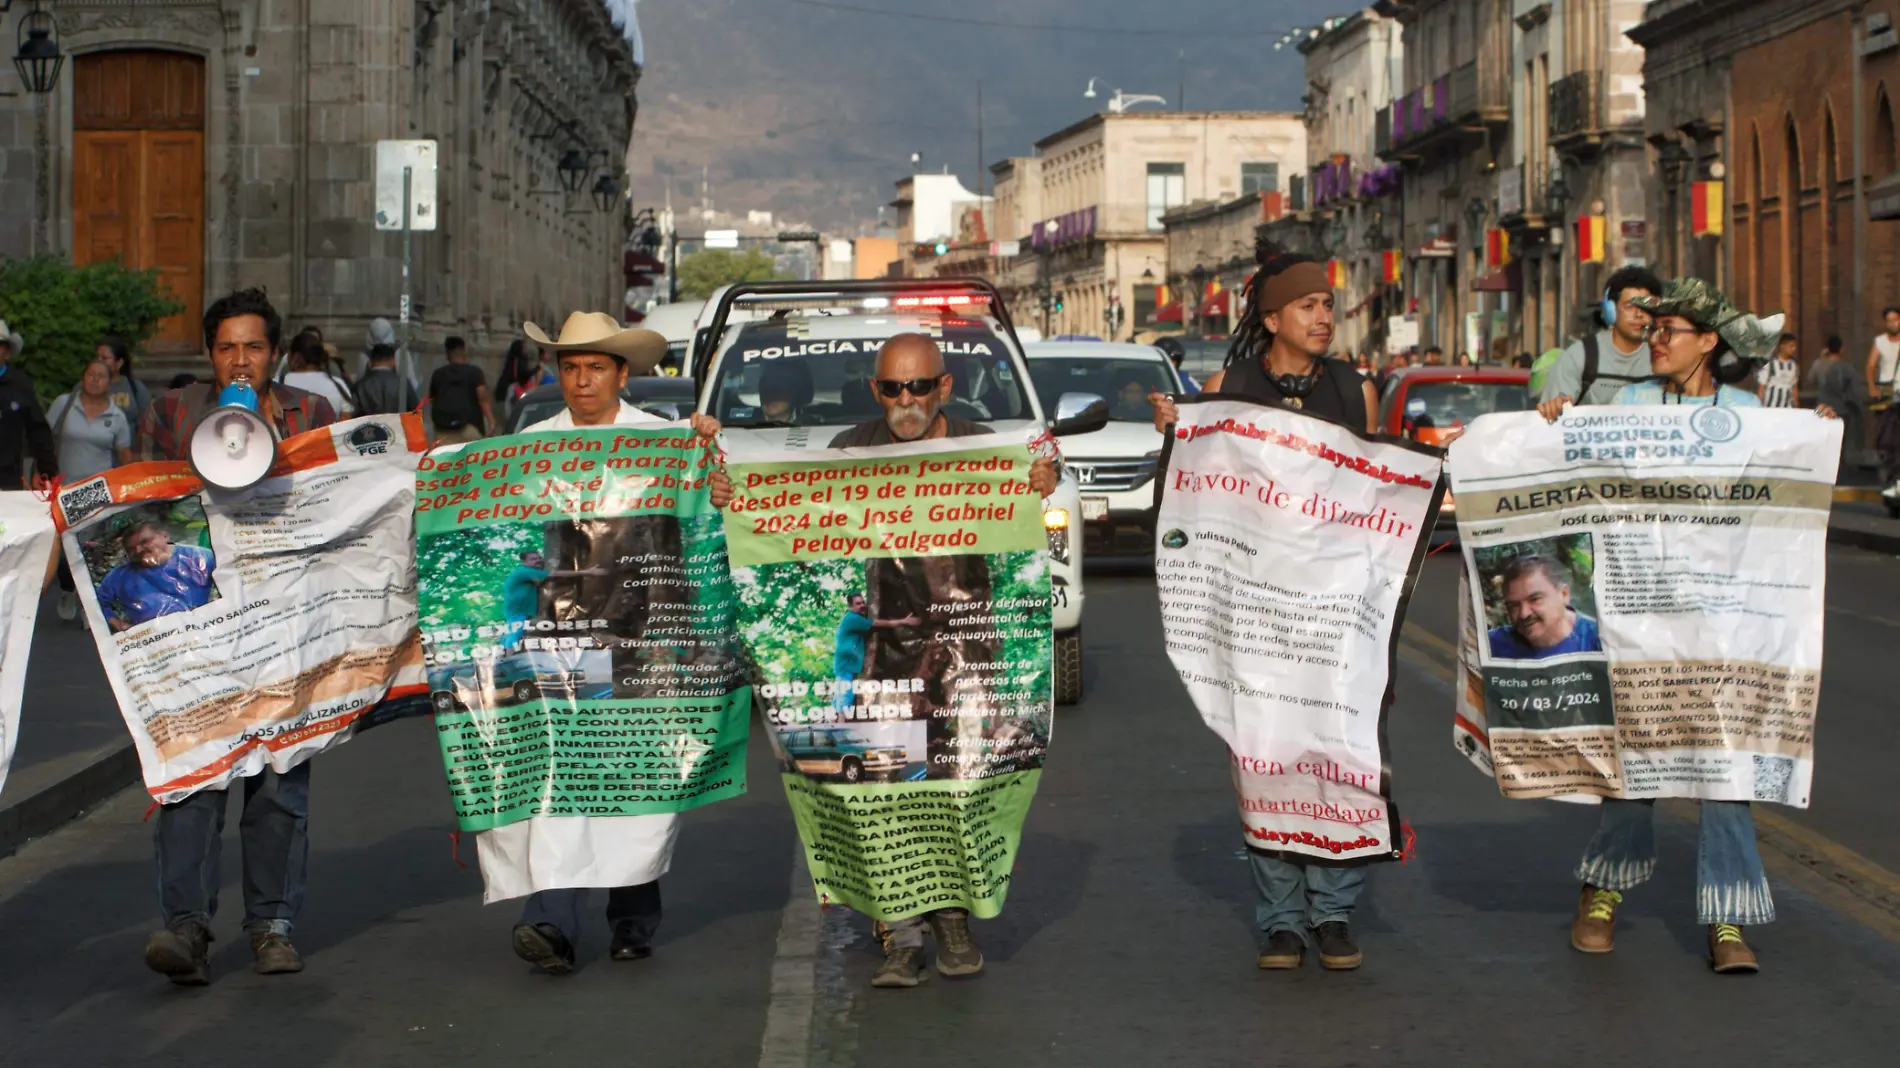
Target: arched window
(1791, 222)
(1829, 179)
(1757, 192)
(1884, 162)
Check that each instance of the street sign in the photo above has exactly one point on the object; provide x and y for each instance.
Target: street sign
(392, 159)
(1401, 333)
(722, 239)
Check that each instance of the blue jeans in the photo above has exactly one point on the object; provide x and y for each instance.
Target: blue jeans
(1730, 884)
(637, 905)
(274, 832)
(1298, 897)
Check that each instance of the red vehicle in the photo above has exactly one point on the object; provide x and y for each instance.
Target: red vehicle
(1430, 404)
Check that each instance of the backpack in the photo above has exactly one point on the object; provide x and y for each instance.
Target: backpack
(1590, 374)
(381, 392)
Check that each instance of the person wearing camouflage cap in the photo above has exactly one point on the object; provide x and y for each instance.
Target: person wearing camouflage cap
(1700, 346)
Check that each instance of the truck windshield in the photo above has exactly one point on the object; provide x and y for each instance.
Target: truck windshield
(801, 369)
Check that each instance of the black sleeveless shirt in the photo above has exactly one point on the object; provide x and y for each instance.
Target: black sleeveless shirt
(1340, 395)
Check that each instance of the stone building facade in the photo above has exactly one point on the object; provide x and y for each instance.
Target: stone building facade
(1789, 106)
(1210, 258)
(232, 143)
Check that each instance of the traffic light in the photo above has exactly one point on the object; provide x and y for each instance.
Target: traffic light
(1058, 303)
(942, 247)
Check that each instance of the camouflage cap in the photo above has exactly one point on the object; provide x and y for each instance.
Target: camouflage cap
(1705, 306)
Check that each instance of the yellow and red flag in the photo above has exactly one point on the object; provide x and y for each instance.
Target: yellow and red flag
(1336, 274)
(1497, 248)
(1705, 208)
(1592, 234)
(1394, 266)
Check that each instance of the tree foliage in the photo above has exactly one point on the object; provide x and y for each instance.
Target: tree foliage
(705, 271)
(63, 311)
(461, 573)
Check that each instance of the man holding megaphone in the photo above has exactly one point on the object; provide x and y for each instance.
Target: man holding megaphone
(242, 334)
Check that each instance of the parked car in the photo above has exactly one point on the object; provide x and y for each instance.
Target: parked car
(677, 324)
(1431, 405)
(1114, 468)
(842, 753)
(821, 340)
(665, 396)
(517, 678)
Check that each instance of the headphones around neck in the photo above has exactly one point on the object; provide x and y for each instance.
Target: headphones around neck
(1609, 307)
(1300, 385)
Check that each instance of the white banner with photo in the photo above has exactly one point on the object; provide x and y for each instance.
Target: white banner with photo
(254, 629)
(26, 546)
(1286, 546)
(1644, 592)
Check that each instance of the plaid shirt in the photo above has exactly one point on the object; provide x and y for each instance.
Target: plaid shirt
(165, 432)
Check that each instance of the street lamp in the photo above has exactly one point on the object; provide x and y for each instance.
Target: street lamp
(573, 169)
(606, 191)
(38, 58)
(1475, 211)
(1556, 197)
(1121, 101)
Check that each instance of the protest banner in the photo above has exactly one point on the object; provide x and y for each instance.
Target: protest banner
(26, 545)
(577, 617)
(252, 629)
(895, 605)
(1286, 548)
(1644, 590)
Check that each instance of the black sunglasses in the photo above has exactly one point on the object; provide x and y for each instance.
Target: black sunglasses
(917, 387)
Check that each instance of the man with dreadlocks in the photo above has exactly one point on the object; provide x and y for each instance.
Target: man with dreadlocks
(1279, 352)
(1279, 357)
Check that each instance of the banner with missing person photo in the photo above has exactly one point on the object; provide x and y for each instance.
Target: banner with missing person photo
(895, 605)
(26, 547)
(1643, 600)
(577, 616)
(1286, 549)
(253, 629)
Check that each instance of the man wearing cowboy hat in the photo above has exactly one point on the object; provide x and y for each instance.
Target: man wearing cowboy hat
(23, 428)
(594, 354)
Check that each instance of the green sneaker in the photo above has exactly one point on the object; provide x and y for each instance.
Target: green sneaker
(957, 954)
(903, 967)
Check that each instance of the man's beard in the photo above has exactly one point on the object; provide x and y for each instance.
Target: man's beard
(909, 424)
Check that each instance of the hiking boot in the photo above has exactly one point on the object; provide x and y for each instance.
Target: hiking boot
(1728, 953)
(630, 943)
(544, 946)
(957, 954)
(1337, 951)
(181, 953)
(1284, 952)
(273, 954)
(903, 967)
(1594, 930)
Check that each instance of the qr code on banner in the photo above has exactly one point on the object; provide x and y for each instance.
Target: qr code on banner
(1773, 777)
(82, 500)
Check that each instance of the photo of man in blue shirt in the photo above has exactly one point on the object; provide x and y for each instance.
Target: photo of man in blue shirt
(848, 651)
(1542, 622)
(156, 579)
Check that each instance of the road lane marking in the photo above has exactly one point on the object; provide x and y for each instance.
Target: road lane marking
(811, 1017)
(1841, 878)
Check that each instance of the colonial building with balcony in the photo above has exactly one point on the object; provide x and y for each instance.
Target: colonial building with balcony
(1783, 110)
(231, 144)
(1448, 130)
(1353, 66)
(1099, 190)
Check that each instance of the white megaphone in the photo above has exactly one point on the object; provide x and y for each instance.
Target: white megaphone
(233, 447)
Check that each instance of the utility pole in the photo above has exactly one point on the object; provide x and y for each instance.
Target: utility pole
(1180, 89)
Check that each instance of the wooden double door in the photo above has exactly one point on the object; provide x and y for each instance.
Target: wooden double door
(138, 173)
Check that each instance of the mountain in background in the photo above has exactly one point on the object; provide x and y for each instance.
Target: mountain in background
(812, 112)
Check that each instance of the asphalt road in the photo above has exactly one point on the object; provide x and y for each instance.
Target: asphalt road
(1127, 939)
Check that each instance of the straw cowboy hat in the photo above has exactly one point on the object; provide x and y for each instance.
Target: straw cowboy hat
(641, 350)
(7, 335)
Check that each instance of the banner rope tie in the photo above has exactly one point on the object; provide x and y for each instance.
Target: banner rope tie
(455, 849)
(1410, 838)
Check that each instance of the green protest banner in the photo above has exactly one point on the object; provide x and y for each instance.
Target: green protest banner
(576, 615)
(895, 604)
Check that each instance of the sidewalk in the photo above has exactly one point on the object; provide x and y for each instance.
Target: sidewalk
(1863, 524)
(74, 751)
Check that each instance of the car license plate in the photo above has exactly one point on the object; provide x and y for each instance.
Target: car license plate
(1095, 508)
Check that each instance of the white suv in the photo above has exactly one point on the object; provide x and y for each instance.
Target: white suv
(820, 340)
(1115, 466)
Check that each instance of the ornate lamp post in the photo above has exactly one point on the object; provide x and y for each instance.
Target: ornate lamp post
(38, 58)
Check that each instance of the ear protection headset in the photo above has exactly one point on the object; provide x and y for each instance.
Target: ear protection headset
(1609, 307)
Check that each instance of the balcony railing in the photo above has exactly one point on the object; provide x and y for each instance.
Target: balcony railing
(1576, 105)
(1332, 180)
(1470, 94)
